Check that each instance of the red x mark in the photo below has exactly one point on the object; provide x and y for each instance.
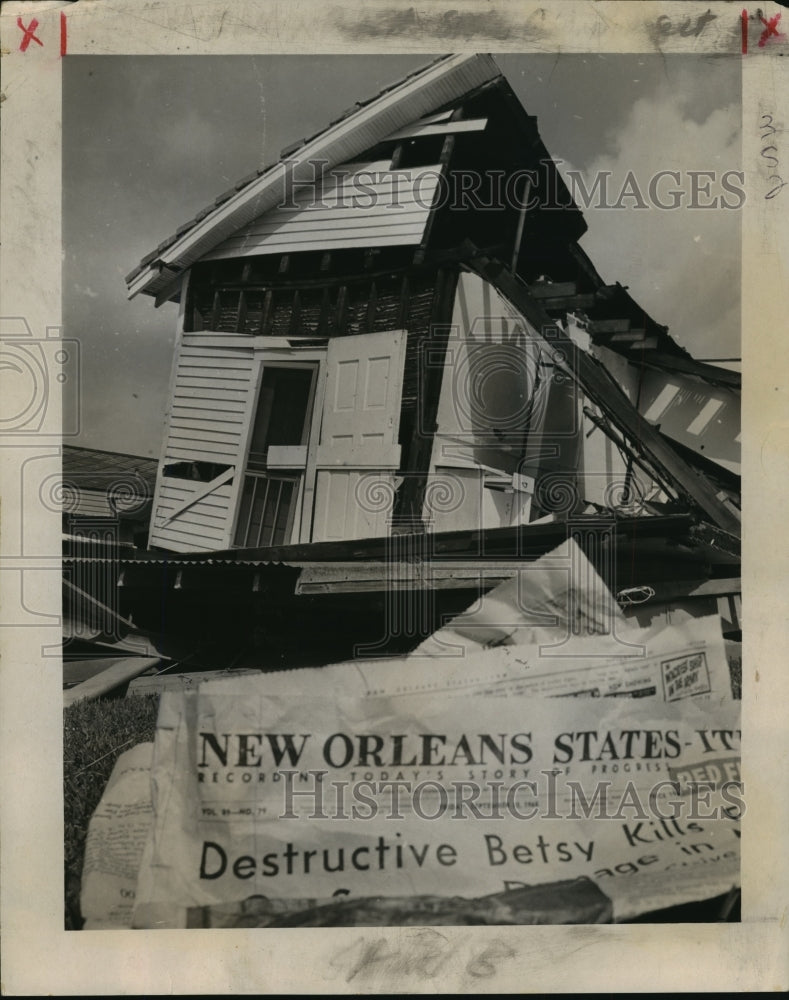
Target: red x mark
(770, 28)
(31, 37)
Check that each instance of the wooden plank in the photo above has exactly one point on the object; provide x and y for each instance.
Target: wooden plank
(371, 239)
(203, 538)
(396, 204)
(210, 521)
(350, 578)
(204, 382)
(628, 335)
(608, 326)
(553, 290)
(417, 130)
(568, 304)
(208, 340)
(207, 535)
(202, 375)
(218, 412)
(119, 672)
(418, 443)
(184, 453)
(207, 509)
(435, 203)
(213, 393)
(216, 359)
(185, 432)
(210, 506)
(404, 210)
(352, 229)
(208, 450)
(601, 388)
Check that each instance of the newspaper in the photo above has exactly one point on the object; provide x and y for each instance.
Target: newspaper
(686, 661)
(117, 835)
(559, 601)
(553, 629)
(293, 798)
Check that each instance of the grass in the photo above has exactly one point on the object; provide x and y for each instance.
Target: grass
(95, 734)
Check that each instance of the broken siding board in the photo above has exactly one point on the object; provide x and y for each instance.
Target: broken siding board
(371, 206)
(335, 236)
(219, 414)
(403, 208)
(180, 542)
(211, 506)
(206, 382)
(193, 394)
(228, 405)
(450, 128)
(224, 341)
(202, 522)
(183, 451)
(204, 529)
(368, 237)
(204, 430)
(214, 360)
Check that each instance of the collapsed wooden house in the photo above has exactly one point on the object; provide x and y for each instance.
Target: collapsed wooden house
(393, 332)
(394, 328)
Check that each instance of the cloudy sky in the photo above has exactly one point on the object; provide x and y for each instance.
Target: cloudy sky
(149, 141)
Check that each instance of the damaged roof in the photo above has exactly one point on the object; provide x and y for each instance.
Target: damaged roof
(94, 467)
(368, 122)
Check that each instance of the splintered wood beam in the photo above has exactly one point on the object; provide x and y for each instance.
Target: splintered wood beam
(553, 290)
(568, 303)
(622, 338)
(603, 326)
(418, 445)
(443, 166)
(603, 390)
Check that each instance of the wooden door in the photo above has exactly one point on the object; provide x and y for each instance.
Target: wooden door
(358, 454)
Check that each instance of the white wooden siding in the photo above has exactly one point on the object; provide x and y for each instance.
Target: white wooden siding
(354, 205)
(199, 528)
(212, 399)
(207, 419)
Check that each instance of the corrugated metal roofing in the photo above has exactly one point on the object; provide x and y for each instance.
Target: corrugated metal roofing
(360, 128)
